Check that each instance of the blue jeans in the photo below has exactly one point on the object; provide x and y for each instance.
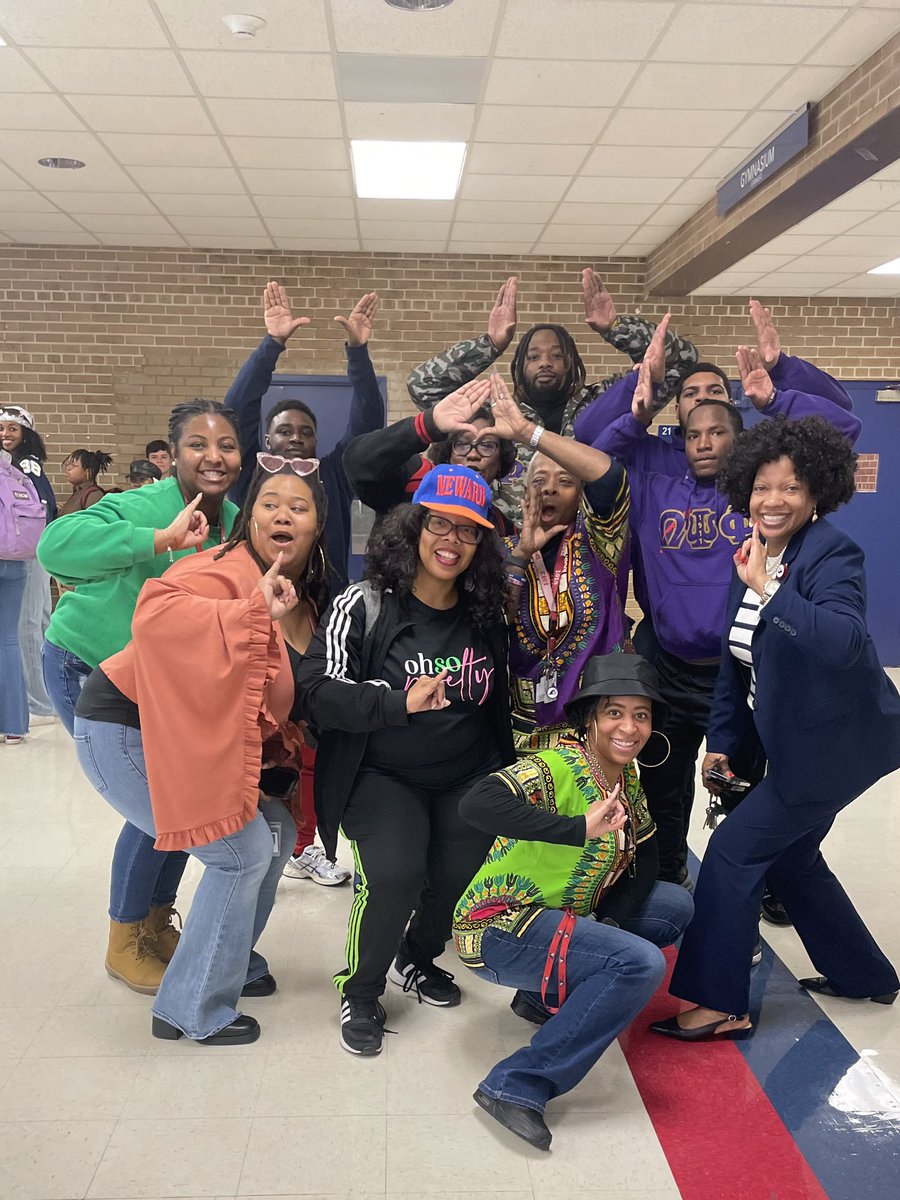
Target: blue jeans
(215, 955)
(142, 876)
(611, 974)
(32, 623)
(13, 697)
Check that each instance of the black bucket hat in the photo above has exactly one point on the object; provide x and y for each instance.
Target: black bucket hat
(620, 675)
(142, 468)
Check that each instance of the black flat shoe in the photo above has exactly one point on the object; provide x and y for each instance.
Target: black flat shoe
(526, 1123)
(818, 983)
(528, 1011)
(773, 911)
(703, 1033)
(241, 1032)
(264, 986)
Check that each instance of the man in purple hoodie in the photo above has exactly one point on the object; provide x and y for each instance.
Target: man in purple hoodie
(685, 536)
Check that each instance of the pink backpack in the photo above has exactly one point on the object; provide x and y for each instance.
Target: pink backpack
(22, 515)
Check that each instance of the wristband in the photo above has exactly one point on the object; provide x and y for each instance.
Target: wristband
(539, 432)
(516, 562)
(515, 581)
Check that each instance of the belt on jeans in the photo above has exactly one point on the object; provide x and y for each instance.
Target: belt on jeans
(556, 957)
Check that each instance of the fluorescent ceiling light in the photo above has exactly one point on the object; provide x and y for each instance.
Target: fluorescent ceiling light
(407, 170)
(888, 268)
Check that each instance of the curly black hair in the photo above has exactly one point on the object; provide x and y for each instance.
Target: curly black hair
(442, 451)
(95, 462)
(822, 459)
(575, 376)
(31, 446)
(392, 560)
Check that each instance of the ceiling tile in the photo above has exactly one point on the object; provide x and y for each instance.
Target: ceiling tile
(309, 154)
(550, 126)
(728, 279)
(297, 227)
(795, 243)
(501, 210)
(693, 191)
(883, 248)
(871, 196)
(100, 223)
(304, 206)
(39, 237)
(422, 231)
(223, 242)
(48, 222)
(756, 129)
(759, 261)
(152, 240)
(617, 30)
(486, 231)
(516, 187)
(100, 202)
(801, 279)
(883, 285)
(829, 221)
(738, 34)
(125, 73)
(409, 122)
(17, 75)
(291, 25)
(599, 213)
(188, 179)
(203, 205)
(236, 226)
(78, 23)
(841, 264)
(491, 158)
(10, 181)
(622, 191)
(262, 76)
(464, 247)
(614, 234)
(166, 150)
(298, 183)
(802, 84)
(771, 289)
(886, 223)
(143, 114)
(289, 118)
(720, 163)
(35, 110)
(392, 246)
(671, 127)
(556, 82)
(672, 214)
(24, 202)
(663, 162)
(672, 84)
(465, 28)
(21, 150)
(859, 35)
(373, 209)
(314, 243)
(637, 248)
(410, 78)
(591, 249)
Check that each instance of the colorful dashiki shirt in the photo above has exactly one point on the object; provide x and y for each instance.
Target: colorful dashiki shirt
(519, 879)
(591, 619)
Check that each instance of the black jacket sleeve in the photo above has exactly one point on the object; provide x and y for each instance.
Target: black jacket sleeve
(627, 895)
(332, 695)
(497, 805)
(380, 464)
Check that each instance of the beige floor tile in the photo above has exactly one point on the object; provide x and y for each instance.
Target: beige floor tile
(631, 1163)
(50, 1160)
(454, 1153)
(157, 1159)
(424, 1084)
(170, 1088)
(314, 1155)
(68, 1089)
(23, 1026)
(93, 1032)
(334, 1084)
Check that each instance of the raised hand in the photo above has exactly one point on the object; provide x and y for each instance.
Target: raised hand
(503, 319)
(755, 379)
(532, 538)
(358, 326)
(508, 419)
(189, 530)
(599, 310)
(280, 321)
(605, 815)
(427, 694)
(655, 353)
(750, 561)
(768, 339)
(280, 594)
(454, 412)
(642, 400)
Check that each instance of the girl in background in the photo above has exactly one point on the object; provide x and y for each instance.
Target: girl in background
(82, 468)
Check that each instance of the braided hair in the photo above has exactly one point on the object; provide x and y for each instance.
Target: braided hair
(92, 461)
(575, 375)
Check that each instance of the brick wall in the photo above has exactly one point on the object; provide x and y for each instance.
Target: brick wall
(100, 343)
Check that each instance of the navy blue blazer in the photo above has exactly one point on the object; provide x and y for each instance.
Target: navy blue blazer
(827, 715)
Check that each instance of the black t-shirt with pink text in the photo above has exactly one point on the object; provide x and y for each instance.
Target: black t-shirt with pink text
(446, 747)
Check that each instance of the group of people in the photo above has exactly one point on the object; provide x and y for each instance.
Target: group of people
(509, 761)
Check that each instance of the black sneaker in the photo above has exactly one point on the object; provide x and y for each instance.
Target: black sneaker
(528, 1010)
(773, 911)
(429, 983)
(362, 1025)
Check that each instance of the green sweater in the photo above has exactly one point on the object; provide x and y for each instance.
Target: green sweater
(106, 554)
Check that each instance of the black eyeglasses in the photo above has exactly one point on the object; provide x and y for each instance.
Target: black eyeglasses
(470, 534)
(485, 446)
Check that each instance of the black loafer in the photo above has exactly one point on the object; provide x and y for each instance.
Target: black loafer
(526, 1123)
(528, 1010)
(773, 911)
(818, 983)
(264, 986)
(241, 1032)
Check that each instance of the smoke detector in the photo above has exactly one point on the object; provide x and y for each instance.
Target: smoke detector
(243, 25)
(418, 5)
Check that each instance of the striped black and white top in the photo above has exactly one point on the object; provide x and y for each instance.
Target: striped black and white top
(740, 635)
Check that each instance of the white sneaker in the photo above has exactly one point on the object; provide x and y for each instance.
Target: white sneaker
(312, 864)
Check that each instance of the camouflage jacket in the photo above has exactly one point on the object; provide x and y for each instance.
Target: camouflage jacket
(466, 360)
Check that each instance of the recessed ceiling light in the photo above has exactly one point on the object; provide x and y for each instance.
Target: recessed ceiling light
(407, 170)
(888, 268)
(418, 5)
(62, 164)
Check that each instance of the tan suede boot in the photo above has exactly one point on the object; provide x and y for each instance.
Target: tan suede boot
(130, 958)
(161, 929)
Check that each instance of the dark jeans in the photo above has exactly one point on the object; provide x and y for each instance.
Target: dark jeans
(688, 690)
(412, 850)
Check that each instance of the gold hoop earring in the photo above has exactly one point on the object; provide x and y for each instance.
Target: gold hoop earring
(665, 758)
(322, 564)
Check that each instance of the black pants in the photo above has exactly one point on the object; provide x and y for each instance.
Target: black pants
(688, 690)
(412, 851)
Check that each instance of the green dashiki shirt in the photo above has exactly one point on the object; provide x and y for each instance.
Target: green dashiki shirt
(519, 878)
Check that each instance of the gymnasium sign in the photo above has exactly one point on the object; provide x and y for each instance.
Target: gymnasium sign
(764, 162)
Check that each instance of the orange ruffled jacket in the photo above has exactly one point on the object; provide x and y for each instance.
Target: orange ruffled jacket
(210, 674)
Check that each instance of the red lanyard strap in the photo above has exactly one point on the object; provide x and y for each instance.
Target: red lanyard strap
(559, 945)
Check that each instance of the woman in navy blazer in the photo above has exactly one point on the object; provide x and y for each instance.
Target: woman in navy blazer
(801, 677)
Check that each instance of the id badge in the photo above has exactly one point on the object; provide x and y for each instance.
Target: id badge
(546, 691)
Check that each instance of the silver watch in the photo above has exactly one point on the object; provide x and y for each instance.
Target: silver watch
(770, 587)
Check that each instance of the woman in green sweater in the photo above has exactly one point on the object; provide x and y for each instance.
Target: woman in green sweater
(104, 555)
